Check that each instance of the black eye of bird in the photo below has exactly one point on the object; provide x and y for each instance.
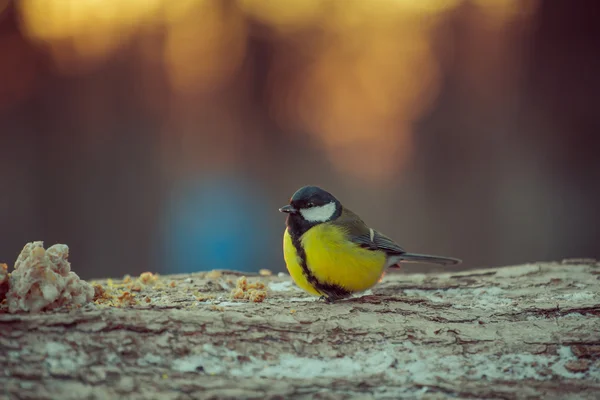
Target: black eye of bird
(310, 204)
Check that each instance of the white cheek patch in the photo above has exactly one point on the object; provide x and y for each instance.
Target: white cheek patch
(319, 214)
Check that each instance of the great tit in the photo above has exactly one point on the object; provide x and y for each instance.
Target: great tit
(330, 252)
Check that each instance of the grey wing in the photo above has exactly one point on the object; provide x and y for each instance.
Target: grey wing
(361, 234)
(378, 241)
(366, 237)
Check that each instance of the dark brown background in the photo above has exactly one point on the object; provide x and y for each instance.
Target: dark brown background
(164, 138)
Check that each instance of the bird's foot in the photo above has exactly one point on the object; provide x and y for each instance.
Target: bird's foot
(326, 299)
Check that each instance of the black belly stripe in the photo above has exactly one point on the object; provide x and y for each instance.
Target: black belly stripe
(331, 291)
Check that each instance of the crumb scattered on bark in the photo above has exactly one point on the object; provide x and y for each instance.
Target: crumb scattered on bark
(126, 299)
(203, 297)
(125, 292)
(148, 277)
(213, 275)
(153, 290)
(249, 291)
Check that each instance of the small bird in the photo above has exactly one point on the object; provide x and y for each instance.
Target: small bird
(330, 252)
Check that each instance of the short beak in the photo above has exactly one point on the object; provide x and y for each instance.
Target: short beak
(288, 209)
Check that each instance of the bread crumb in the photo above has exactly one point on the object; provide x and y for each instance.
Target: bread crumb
(217, 308)
(99, 292)
(147, 299)
(249, 291)
(201, 297)
(172, 284)
(127, 298)
(126, 279)
(43, 280)
(242, 283)
(136, 288)
(257, 296)
(265, 272)
(292, 311)
(213, 274)
(148, 277)
(256, 285)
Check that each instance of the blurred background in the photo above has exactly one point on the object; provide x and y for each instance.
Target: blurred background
(163, 135)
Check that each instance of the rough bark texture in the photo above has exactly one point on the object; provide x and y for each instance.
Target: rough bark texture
(529, 331)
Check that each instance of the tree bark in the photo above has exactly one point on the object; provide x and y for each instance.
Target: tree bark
(529, 331)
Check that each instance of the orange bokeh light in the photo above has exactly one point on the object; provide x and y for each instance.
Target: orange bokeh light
(354, 74)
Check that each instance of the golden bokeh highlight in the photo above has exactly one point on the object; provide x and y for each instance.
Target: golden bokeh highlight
(360, 94)
(82, 34)
(354, 74)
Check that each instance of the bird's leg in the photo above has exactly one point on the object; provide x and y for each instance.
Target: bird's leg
(326, 299)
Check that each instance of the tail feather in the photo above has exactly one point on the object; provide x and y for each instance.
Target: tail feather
(425, 258)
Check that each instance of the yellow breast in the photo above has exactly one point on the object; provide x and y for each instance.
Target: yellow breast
(332, 259)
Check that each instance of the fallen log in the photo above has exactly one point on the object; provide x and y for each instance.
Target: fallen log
(528, 331)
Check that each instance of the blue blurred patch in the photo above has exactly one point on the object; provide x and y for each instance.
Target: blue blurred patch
(216, 224)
